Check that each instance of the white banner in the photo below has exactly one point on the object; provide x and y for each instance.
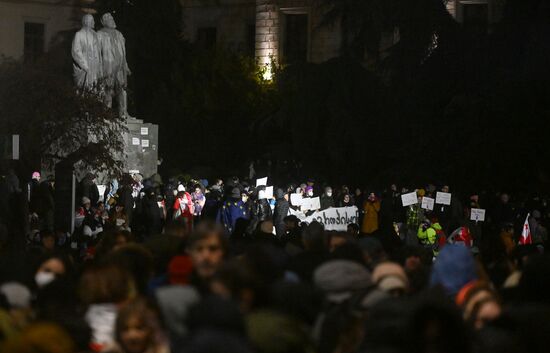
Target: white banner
(332, 218)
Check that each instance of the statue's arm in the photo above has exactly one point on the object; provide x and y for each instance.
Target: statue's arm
(78, 55)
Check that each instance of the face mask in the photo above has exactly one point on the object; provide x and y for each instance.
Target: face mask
(43, 278)
(329, 194)
(244, 199)
(310, 193)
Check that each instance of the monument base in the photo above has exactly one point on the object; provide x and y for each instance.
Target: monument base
(141, 147)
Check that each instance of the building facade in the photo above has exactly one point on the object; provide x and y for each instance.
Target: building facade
(287, 31)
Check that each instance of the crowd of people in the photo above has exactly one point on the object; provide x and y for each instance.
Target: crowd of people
(189, 265)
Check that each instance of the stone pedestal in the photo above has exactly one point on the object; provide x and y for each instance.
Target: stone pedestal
(141, 148)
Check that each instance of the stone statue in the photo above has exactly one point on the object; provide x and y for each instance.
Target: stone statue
(87, 68)
(115, 67)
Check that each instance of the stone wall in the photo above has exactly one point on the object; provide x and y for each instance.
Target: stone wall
(56, 16)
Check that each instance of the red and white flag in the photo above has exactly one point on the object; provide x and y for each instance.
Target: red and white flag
(526, 233)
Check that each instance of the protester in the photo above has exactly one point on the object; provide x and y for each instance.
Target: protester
(139, 281)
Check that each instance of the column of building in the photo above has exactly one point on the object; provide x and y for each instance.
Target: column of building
(267, 35)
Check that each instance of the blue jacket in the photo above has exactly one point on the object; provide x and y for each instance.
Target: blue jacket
(231, 210)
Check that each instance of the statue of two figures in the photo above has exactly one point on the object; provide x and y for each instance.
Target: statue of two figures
(99, 62)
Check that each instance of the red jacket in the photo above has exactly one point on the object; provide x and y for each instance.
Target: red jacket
(183, 206)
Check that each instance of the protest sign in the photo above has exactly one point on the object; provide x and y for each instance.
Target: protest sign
(315, 203)
(409, 199)
(296, 199)
(306, 204)
(101, 189)
(428, 203)
(443, 198)
(135, 141)
(144, 131)
(477, 214)
(335, 218)
(269, 192)
(144, 143)
(261, 182)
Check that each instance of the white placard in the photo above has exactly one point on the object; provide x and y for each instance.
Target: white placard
(428, 203)
(135, 141)
(315, 203)
(144, 143)
(269, 192)
(409, 199)
(144, 131)
(443, 198)
(101, 189)
(477, 214)
(306, 204)
(261, 182)
(296, 199)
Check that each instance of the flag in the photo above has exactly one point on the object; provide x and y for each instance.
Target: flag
(526, 233)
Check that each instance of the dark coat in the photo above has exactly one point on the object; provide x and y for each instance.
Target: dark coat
(281, 211)
(261, 211)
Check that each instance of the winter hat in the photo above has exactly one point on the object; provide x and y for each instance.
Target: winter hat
(179, 269)
(308, 188)
(387, 269)
(36, 175)
(455, 267)
(236, 193)
(86, 200)
(279, 193)
(17, 295)
(338, 279)
(181, 188)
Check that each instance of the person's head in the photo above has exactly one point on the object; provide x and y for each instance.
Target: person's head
(244, 197)
(347, 198)
(86, 203)
(328, 191)
(108, 21)
(393, 187)
(309, 191)
(49, 268)
(137, 327)
(48, 240)
(314, 237)
(445, 188)
(372, 197)
(105, 283)
(198, 190)
(291, 222)
(235, 281)
(337, 239)
(208, 248)
(88, 21)
(504, 198)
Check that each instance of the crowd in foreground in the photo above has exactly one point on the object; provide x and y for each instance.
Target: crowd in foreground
(189, 266)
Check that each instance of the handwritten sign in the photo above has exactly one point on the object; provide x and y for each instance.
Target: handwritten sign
(296, 199)
(443, 198)
(261, 182)
(477, 214)
(428, 203)
(135, 141)
(409, 199)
